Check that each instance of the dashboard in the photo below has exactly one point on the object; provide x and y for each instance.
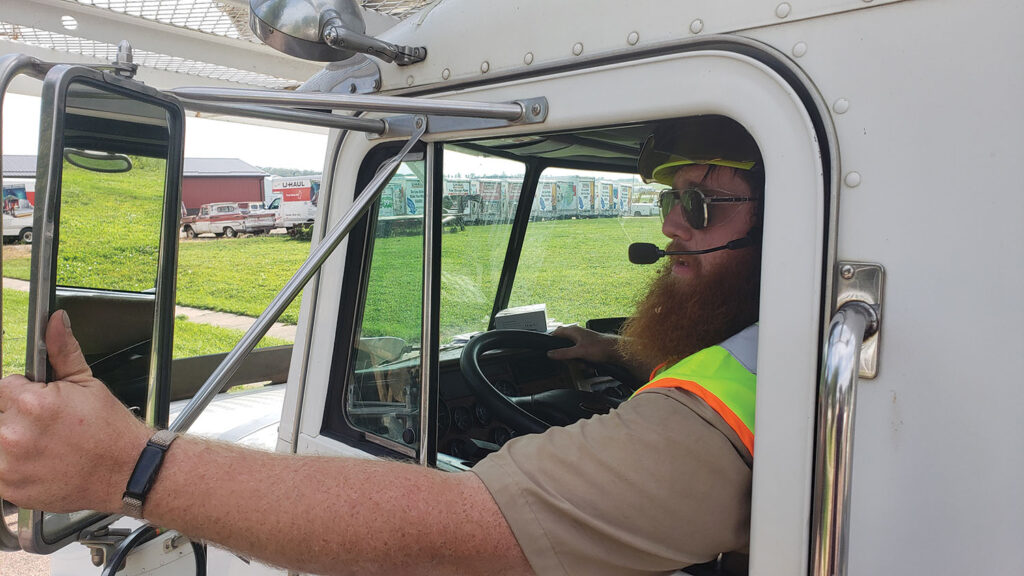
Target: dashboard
(468, 432)
(465, 428)
(384, 399)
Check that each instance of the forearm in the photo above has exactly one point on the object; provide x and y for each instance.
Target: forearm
(333, 515)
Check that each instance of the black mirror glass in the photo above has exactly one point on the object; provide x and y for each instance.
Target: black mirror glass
(109, 181)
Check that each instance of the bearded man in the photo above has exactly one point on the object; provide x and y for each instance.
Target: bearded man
(660, 483)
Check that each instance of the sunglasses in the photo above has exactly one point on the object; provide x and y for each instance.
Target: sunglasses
(693, 203)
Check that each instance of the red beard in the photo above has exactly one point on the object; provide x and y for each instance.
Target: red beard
(680, 317)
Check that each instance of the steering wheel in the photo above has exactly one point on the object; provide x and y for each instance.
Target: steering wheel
(538, 412)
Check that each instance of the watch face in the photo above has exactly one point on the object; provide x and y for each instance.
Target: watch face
(145, 471)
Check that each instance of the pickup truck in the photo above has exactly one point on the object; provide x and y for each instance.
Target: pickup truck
(226, 219)
(644, 209)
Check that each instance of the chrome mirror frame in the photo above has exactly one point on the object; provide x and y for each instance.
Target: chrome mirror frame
(11, 66)
(323, 31)
(43, 268)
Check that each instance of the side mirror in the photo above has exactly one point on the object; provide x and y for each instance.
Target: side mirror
(106, 219)
(323, 30)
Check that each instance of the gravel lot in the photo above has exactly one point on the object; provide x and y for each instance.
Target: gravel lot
(21, 563)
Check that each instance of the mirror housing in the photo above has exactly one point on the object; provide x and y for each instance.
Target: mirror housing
(115, 119)
(323, 31)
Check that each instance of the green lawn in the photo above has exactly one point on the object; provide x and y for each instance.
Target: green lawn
(578, 267)
(190, 339)
(109, 231)
(237, 275)
(110, 227)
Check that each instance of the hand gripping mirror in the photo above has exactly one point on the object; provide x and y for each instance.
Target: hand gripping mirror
(11, 66)
(323, 30)
(110, 150)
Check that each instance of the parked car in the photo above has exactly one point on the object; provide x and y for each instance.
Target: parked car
(644, 209)
(226, 219)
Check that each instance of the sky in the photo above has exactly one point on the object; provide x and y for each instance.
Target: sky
(257, 145)
(260, 146)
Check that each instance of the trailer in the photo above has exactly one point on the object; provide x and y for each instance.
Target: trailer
(493, 198)
(604, 199)
(566, 201)
(462, 199)
(543, 207)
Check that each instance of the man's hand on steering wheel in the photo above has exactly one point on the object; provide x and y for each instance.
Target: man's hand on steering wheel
(596, 348)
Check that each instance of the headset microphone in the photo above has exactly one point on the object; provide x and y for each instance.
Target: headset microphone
(644, 253)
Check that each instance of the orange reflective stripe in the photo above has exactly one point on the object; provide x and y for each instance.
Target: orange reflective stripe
(654, 373)
(730, 417)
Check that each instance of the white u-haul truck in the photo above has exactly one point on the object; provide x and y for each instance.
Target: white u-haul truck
(891, 306)
(295, 201)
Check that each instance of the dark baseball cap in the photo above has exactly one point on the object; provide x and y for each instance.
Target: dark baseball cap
(710, 139)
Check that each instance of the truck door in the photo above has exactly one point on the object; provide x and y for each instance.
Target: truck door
(376, 382)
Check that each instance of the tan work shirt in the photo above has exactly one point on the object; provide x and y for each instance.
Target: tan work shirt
(660, 483)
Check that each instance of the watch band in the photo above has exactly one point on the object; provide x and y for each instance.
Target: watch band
(144, 474)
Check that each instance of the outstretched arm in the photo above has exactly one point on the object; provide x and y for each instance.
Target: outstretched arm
(70, 445)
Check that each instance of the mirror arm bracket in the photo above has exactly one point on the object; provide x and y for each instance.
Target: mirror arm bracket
(123, 64)
(534, 111)
(335, 34)
(102, 542)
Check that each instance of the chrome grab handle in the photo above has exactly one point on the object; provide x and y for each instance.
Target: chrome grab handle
(833, 454)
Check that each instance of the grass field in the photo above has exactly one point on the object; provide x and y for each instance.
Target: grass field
(109, 231)
(110, 227)
(578, 268)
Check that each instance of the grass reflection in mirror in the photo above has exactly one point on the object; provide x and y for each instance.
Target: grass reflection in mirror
(110, 227)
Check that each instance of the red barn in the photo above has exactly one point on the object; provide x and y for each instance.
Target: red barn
(208, 180)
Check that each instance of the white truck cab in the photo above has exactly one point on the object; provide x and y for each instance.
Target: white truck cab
(890, 295)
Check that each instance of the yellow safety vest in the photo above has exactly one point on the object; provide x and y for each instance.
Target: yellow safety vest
(723, 376)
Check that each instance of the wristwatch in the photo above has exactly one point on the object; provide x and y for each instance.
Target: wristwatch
(144, 474)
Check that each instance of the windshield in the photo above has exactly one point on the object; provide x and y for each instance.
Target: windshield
(479, 203)
(573, 263)
(574, 258)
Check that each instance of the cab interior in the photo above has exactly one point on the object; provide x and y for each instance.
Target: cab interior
(504, 236)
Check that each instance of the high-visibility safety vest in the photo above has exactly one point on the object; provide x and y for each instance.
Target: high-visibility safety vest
(723, 376)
